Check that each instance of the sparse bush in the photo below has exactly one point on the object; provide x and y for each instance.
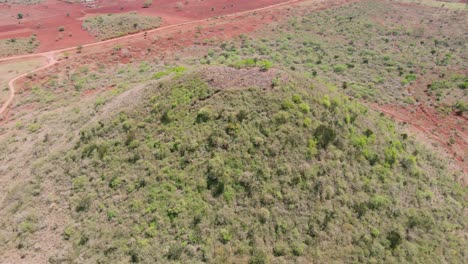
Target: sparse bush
(115, 25)
(340, 68)
(265, 65)
(280, 249)
(394, 238)
(175, 252)
(258, 257)
(17, 46)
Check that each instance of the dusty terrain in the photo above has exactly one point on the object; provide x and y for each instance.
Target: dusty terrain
(44, 19)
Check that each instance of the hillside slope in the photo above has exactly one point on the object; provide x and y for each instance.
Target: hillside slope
(207, 167)
(202, 146)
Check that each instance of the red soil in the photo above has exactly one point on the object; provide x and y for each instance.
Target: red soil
(448, 133)
(45, 19)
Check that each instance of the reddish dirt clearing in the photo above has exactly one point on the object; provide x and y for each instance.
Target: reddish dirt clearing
(45, 19)
(447, 133)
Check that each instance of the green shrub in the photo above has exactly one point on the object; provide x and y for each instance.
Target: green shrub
(394, 239)
(68, 232)
(258, 257)
(461, 106)
(79, 183)
(411, 77)
(175, 252)
(204, 114)
(226, 235)
(265, 65)
(298, 249)
(305, 108)
(247, 63)
(324, 135)
(378, 202)
(29, 225)
(340, 68)
(280, 249)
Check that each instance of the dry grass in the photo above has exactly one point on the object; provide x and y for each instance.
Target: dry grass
(8, 70)
(16, 46)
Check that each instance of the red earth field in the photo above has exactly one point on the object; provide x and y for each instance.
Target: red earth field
(44, 19)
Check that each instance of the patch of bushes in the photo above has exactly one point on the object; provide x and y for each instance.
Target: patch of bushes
(17, 46)
(116, 25)
(177, 165)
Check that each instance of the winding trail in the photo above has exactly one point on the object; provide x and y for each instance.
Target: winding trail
(52, 58)
(50, 61)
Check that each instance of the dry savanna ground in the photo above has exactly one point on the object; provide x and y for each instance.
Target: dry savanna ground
(260, 138)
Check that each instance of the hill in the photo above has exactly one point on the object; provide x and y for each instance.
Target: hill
(281, 168)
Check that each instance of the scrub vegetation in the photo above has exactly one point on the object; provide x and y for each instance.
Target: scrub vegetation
(117, 25)
(260, 150)
(373, 51)
(16, 46)
(196, 172)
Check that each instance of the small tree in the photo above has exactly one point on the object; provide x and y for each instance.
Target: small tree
(147, 3)
(20, 16)
(265, 65)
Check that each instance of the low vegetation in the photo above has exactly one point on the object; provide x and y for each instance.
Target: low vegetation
(16, 46)
(199, 173)
(116, 25)
(373, 51)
